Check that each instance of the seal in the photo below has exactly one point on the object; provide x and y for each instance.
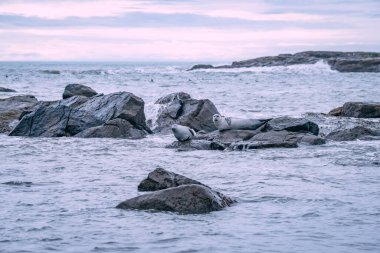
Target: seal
(228, 123)
(183, 133)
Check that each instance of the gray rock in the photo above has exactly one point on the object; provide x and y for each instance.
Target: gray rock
(115, 128)
(285, 136)
(12, 108)
(180, 108)
(61, 119)
(196, 145)
(201, 66)
(185, 199)
(78, 89)
(292, 125)
(352, 134)
(2, 89)
(160, 179)
(361, 110)
(340, 61)
(262, 145)
(353, 65)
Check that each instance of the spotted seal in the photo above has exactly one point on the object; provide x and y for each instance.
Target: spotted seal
(183, 133)
(228, 123)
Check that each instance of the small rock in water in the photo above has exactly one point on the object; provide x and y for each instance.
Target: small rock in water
(2, 89)
(19, 183)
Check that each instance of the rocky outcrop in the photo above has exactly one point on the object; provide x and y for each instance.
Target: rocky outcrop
(355, 133)
(357, 110)
(160, 179)
(71, 116)
(186, 199)
(286, 136)
(12, 108)
(75, 89)
(292, 125)
(180, 108)
(340, 61)
(2, 89)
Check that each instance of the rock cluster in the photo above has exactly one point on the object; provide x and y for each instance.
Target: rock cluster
(340, 61)
(176, 193)
(357, 110)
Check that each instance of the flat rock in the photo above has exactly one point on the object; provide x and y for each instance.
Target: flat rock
(286, 136)
(180, 108)
(292, 125)
(75, 89)
(160, 179)
(228, 136)
(354, 133)
(196, 145)
(185, 199)
(2, 89)
(262, 145)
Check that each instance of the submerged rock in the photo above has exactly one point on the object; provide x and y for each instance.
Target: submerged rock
(186, 199)
(75, 89)
(67, 118)
(358, 132)
(18, 183)
(262, 145)
(12, 108)
(160, 179)
(2, 89)
(292, 125)
(180, 108)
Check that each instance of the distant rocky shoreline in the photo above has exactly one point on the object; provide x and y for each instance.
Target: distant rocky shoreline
(340, 61)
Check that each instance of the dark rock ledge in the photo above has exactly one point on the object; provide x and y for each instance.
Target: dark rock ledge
(340, 61)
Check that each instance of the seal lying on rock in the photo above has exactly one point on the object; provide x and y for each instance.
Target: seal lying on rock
(183, 133)
(228, 123)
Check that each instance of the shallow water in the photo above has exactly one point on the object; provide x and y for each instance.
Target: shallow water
(311, 199)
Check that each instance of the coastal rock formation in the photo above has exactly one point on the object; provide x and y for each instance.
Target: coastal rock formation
(12, 108)
(180, 108)
(160, 179)
(283, 132)
(358, 132)
(340, 61)
(2, 89)
(292, 125)
(357, 110)
(75, 89)
(186, 199)
(74, 115)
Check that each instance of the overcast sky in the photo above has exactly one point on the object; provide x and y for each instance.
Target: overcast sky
(183, 30)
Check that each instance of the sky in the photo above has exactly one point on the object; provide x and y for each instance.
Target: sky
(183, 30)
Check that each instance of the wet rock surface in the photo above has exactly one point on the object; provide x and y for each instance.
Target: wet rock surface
(196, 145)
(12, 108)
(180, 108)
(185, 199)
(74, 115)
(355, 133)
(292, 125)
(160, 179)
(75, 89)
(3, 89)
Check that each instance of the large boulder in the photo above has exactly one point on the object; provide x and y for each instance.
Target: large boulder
(361, 110)
(186, 199)
(12, 108)
(75, 89)
(180, 108)
(62, 119)
(160, 179)
(292, 125)
(358, 132)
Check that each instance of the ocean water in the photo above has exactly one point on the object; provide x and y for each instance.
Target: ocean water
(310, 199)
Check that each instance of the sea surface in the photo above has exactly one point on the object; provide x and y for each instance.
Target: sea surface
(310, 199)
